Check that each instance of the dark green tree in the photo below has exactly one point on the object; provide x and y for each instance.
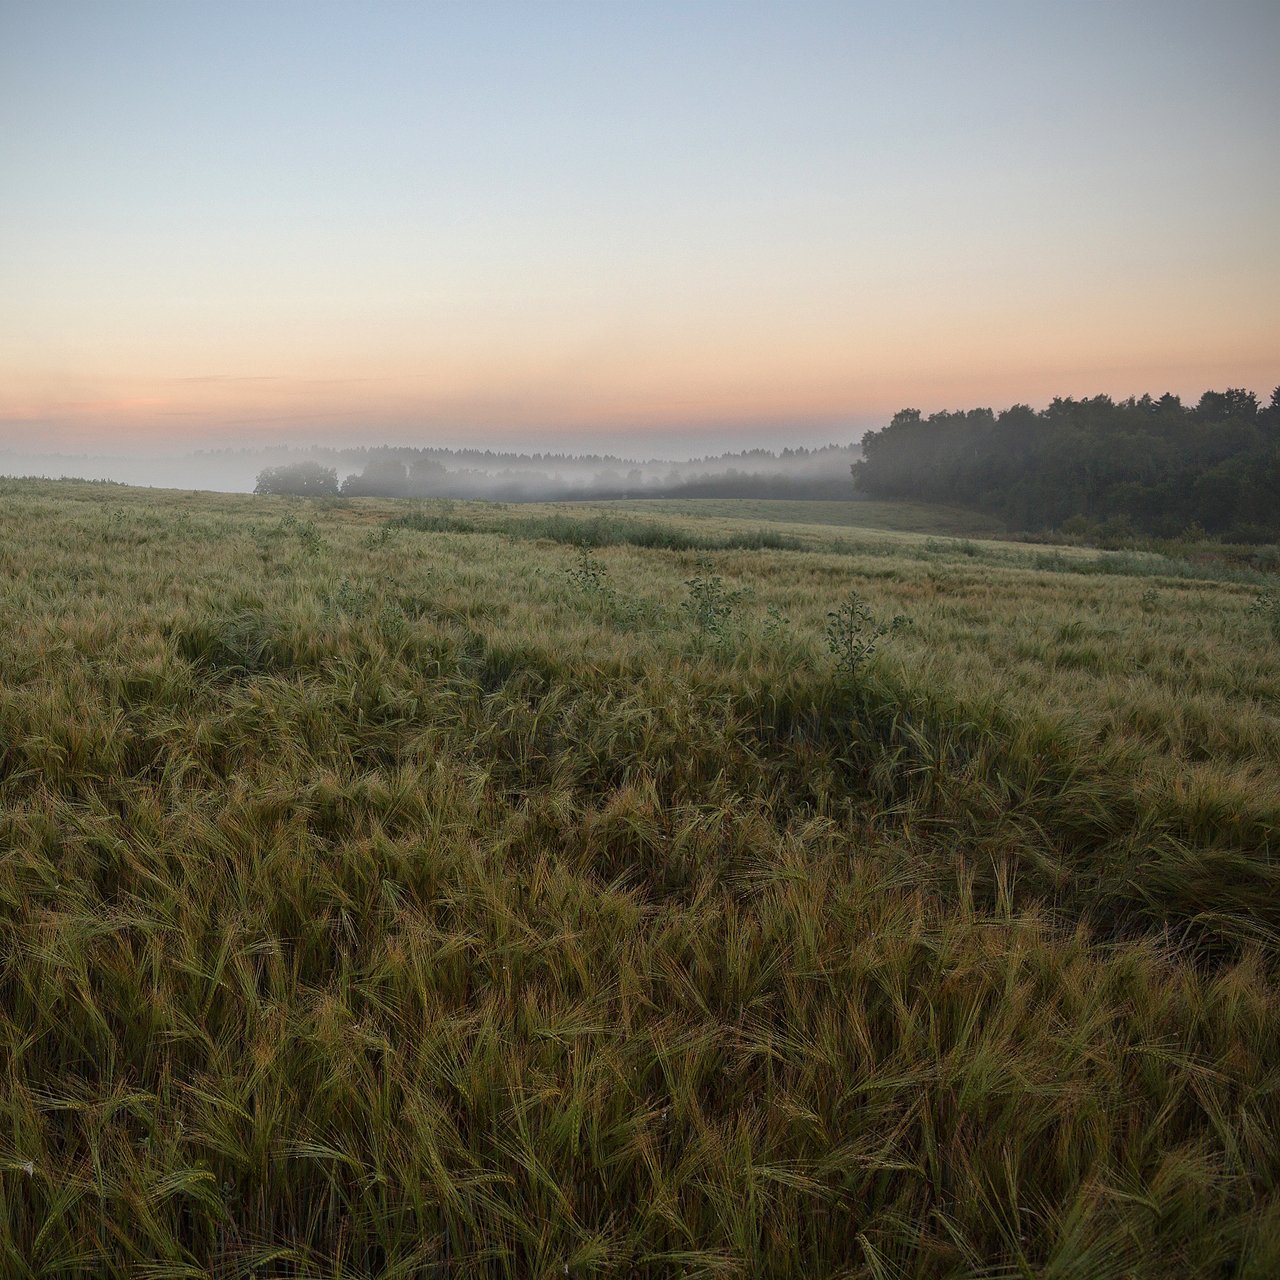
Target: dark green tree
(1149, 465)
(298, 479)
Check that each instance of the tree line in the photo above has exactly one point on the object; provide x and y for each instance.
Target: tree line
(1145, 466)
(394, 472)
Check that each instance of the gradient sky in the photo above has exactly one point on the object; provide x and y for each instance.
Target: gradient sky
(635, 226)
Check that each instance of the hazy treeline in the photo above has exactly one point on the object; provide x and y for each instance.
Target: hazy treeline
(467, 473)
(1151, 466)
(442, 473)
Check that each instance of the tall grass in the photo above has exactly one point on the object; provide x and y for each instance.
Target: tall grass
(608, 528)
(600, 531)
(395, 907)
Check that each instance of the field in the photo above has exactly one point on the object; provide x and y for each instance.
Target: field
(904, 517)
(443, 891)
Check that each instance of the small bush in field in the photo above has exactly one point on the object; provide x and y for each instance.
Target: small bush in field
(591, 579)
(589, 576)
(776, 623)
(1267, 606)
(304, 530)
(710, 607)
(854, 633)
(350, 600)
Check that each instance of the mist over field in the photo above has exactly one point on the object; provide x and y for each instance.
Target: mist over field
(502, 475)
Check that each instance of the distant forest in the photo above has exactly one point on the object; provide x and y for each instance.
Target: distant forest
(443, 473)
(1146, 466)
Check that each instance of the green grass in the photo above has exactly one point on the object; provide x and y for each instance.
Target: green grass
(380, 900)
(901, 517)
(608, 525)
(597, 529)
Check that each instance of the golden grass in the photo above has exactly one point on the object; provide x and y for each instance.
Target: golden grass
(383, 902)
(867, 513)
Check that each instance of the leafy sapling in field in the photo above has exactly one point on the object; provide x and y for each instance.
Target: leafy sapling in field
(710, 607)
(304, 530)
(776, 624)
(1267, 606)
(591, 580)
(854, 633)
(350, 600)
(589, 576)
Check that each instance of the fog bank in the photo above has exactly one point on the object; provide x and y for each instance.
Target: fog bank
(473, 473)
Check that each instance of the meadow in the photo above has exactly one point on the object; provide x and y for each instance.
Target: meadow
(864, 513)
(448, 890)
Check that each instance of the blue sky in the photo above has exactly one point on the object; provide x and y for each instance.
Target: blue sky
(582, 223)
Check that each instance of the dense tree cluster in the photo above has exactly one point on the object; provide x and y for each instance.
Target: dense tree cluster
(387, 476)
(1150, 466)
(298, 479)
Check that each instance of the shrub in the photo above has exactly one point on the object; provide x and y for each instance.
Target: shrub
(854, 634)
(709, 606)
(305, 531)
(589, 576)
(1267, 606)
(776, 623)
(591, 580)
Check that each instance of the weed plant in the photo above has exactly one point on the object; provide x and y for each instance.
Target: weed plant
(710, 606)
(589, 581)
(589, 577)
(854, 634)
(1267, 606)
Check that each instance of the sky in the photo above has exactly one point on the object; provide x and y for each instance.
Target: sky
(642, 227)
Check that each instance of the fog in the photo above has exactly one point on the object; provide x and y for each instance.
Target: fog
(473, 473)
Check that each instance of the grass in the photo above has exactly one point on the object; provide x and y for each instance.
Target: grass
(380, 900)
(901, 517)
(602, 525)
(597, 530)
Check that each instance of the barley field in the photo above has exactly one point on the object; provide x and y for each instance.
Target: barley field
(866, 513)
(429, 890)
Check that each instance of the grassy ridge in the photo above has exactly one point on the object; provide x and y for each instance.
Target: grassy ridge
(380, 901)
(599, 530)
(580, 525)
(861, 513)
